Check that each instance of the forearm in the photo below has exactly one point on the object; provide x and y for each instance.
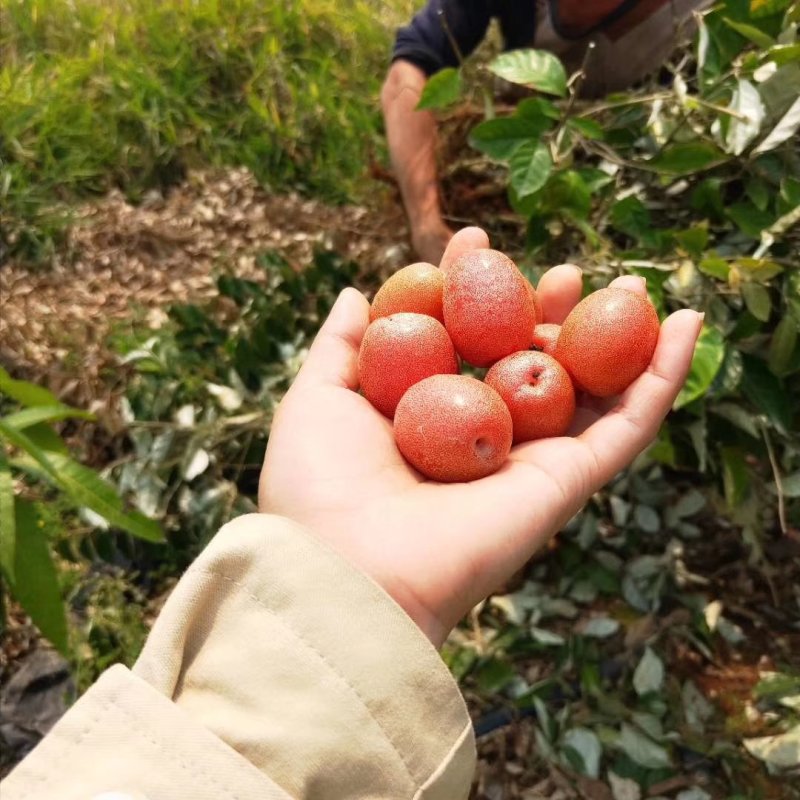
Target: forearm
(411, 136)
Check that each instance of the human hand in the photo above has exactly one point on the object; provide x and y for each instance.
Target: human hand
(438, 549)
(430, 240)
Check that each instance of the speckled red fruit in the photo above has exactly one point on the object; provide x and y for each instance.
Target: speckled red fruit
(489, 309)
(398, 351)
(453, 428)
(416, 288)
(545, 337)
(608, 340)
(537, 303)
(538, 393)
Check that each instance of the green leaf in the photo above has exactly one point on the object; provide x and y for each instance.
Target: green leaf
(85, 487)
(36, 582)
(441, 90)
(757, 300)
(766, 8)
(586, 127)
(707, 359)
(750, 32)
(687, 157)
(649, 673)
(36, 415)
(538, 69)
(8, 527)
(735, 475)
(586, 745)
(537, 108)
(29, 394)
(530, 167)
(749, 219)
(693, 240)
(631, 216)
(641, 749)
(715, 267)
(499, 138)
(758, 269)
(766, 392)
(46, 438)
(781, 347)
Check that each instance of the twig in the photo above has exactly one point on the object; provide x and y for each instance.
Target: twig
(576, 81)
(453, 43)
(776, 473)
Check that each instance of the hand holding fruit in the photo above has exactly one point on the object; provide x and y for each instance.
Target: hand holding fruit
(438, 548)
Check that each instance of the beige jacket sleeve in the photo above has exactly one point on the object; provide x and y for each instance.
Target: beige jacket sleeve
(275, 670)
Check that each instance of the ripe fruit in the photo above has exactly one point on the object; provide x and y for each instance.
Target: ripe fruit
(538, 393)
(607, 341)
(545, 337)
(416, 288)
(453, 428)
(398, 351)
(489, 309)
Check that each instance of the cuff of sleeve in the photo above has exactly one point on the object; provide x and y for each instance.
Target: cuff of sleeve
(308, 668)
(123, 738)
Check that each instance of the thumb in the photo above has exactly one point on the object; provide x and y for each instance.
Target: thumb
(333, 357)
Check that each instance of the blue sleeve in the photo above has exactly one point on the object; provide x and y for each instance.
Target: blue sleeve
(425, 41)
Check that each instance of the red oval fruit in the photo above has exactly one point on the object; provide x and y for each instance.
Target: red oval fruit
(545, 337)
(416, 288)
(398, 351)
(453, 428)
(489, 308)
(538, 393)
(608, 340)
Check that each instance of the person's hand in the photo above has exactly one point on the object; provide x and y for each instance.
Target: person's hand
(431, 239)
(438, 549)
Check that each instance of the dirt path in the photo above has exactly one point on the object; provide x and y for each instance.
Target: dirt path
(129, 262)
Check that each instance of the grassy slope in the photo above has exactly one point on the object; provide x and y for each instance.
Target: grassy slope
(132, 92)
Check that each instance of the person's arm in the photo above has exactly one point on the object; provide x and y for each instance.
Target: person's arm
(440, 35)
(411, 135)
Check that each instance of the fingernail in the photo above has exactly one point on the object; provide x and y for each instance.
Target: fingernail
(642, 279)
(576, 268)
(701, 315)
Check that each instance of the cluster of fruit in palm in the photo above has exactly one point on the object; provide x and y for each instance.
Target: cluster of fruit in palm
(482, 310)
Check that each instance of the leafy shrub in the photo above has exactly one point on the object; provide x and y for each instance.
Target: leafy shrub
(205, 387)
(695, 186)
(33, 457)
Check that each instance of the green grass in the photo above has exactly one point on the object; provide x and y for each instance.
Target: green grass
(131, 93)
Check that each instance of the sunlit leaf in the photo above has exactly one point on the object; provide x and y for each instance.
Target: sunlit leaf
(781, 750)
(706, 361)
(36, 415)
(785, 129)
(539, 69)
(8, 527)
(757, 300)
(85, 487)
(28, 394)
(441, 89)
(749, 108)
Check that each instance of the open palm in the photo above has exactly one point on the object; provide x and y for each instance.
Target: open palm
(437, 549)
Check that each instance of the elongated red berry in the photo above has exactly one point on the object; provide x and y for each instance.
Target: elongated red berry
(538, 393)
(608, 340)
(398, 351)
(489, 308)
(453, 428)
